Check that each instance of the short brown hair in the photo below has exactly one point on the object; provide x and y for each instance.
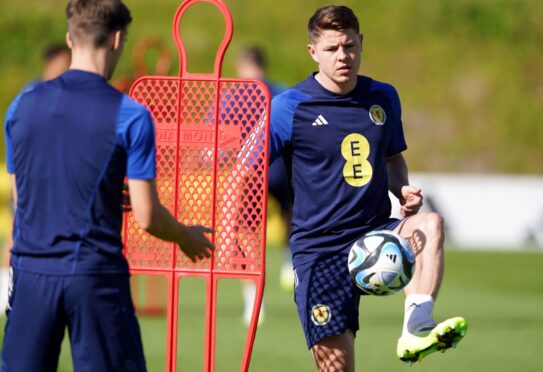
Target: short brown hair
(54, 50)
(96, 19)
(332, 17)
(255, 55)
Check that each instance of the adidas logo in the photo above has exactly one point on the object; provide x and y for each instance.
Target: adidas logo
(320, 120)
(392, 257)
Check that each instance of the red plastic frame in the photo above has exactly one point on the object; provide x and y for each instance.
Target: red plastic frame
(212, 145)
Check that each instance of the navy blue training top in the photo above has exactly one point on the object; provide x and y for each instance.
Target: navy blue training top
(71, 142)
(335, 148)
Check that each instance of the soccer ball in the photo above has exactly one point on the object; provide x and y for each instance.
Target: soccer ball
(381, 263)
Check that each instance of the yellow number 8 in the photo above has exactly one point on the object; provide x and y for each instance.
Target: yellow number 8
(357, 170)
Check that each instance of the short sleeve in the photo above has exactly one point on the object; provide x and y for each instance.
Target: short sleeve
(397, 142)
(283, 108)
(136, 128)
(8, 121)
(7, 140)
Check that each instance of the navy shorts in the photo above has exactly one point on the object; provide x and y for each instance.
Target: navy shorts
(97, 310)
(327, 297)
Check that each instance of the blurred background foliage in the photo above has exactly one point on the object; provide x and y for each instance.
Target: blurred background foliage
(469, 72)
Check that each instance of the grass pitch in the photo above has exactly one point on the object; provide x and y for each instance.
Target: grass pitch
(499, 293)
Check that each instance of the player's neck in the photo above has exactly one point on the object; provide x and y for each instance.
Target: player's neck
(90, 60)
(335, 87)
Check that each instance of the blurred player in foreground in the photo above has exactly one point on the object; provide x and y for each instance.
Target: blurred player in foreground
(342, 139)
(141, 68)
(56, 60)
(70, 143)
(251, 64)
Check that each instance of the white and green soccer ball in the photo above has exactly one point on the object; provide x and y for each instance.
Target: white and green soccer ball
(381, 263)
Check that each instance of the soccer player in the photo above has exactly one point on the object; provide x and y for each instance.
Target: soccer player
(251, 64)
(341, 136)
(56, 60)
(70, 143)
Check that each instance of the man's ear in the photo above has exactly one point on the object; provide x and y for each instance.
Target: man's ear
(116, 40)
(69, 41)
(312, 52)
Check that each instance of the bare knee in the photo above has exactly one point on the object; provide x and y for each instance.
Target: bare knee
(425, 233)
(335, 353)
(433, 225)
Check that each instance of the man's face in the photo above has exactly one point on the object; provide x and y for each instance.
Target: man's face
(338, 54)
(247, 69)
(56, 65)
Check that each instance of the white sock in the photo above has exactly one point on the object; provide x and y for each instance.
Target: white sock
(249, 294)
(418, 318)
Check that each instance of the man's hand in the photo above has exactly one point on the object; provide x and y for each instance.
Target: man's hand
(195, 244)
(410, 200)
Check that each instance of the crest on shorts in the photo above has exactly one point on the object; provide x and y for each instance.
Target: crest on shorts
(377, 115)
(321, 314)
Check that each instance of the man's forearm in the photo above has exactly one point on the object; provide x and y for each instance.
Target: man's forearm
(13, 191)
(397, 174)
(164, 226)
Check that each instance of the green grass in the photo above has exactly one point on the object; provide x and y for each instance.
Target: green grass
(499, 293)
